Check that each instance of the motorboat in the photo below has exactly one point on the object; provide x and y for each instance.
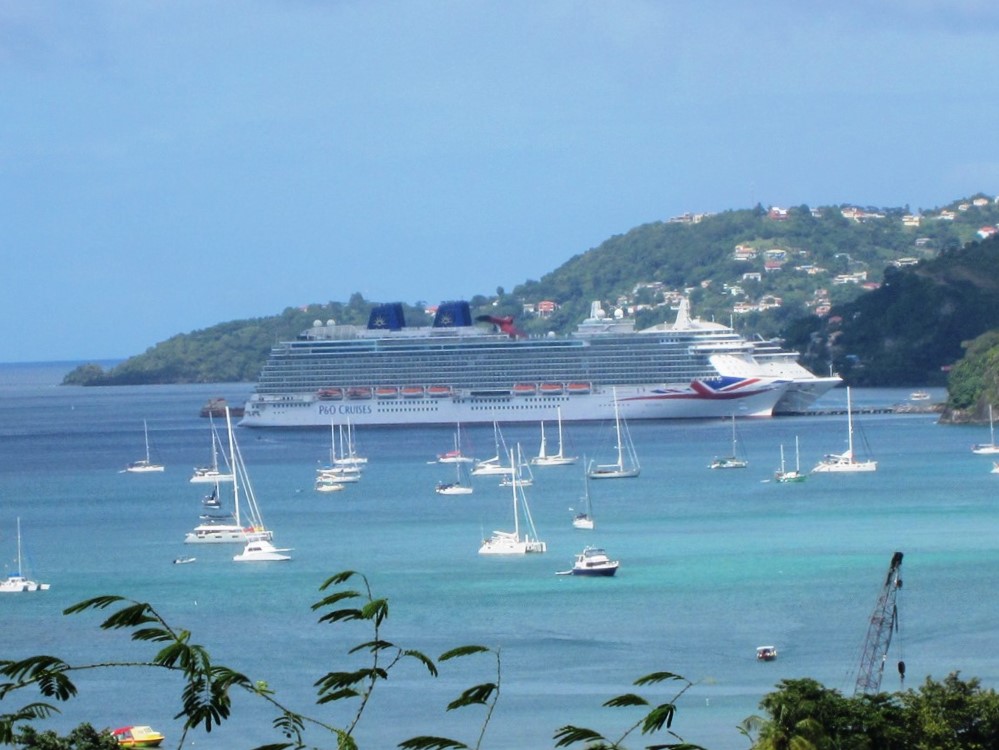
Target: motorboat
(766, 653)
(184, 560)
(592, 561)
(137, 736)
(261, 550)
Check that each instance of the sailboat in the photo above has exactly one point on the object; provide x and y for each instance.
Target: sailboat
(348, 451)
(845, 462)
(584, 519)
(144, 465)
(230, 528)
(211, 474)
(620, 469)
(455, 456)
(989, 448)
(494, 465)
(559, 459)
(16, 582)
(733, 461)
(339, 471)
(511, 542)
(458, 486)
(784, 476)
(522, 473)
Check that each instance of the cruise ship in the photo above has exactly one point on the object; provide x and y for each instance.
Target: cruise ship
(465, 370)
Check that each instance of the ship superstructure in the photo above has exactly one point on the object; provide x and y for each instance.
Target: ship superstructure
(463, 370)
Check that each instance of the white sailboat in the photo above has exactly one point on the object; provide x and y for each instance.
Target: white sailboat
(584, 519)
(348, 450)
(144, 465)
(16, 582)
(625, 448)
(455, 456)
(558, 459)
(522, 473)
(211, 474)
(989, 448)
(734, 461)
(512, 542)
(494, 465)
(458, 486)
(340, 470)
(845, 462)
(783, 476)
(230, 528)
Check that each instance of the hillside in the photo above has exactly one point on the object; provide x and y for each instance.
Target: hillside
(773, 272)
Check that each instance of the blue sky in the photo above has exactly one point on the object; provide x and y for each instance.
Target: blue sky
(166, 166)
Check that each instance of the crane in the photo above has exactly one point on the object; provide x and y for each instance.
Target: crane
(884, 620)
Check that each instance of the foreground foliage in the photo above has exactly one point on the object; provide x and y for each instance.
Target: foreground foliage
(207, 687)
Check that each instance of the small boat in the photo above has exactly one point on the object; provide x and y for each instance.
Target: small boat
(592, 561)
(183, 560)
(989, 448)
(360, 392)
(329, 394)
(455, 455)
(215, 407)
(211, 474)
(490, 466)
(766, 653)
(412, 391)
(622, 468)
(785, 476)
(919, 396)
(558, 459)
(458, 486)
(523, 475)
(387, 391)
(840, 463)
(329, 484)
(735, 461)
(551, 389)
(525, 389)
(439, 391)
(513, 542)
(584, 519)
(144, 465)
(578, 389)
(260, 550)
(137, 736)
(17, 582)
(995, 467)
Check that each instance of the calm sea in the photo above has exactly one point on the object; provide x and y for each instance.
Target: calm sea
(713, 563)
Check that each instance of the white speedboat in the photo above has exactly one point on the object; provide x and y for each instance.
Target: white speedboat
(766, 653)
(592, 561)
(261, 550)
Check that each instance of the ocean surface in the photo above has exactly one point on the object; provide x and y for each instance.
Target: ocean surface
(713, 564)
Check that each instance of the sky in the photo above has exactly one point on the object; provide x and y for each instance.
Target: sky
(167, 166)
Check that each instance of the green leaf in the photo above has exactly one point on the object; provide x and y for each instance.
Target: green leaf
(421, 657)
(569, 735)
(336, 579)
(335, 598)
(658, 677)
(372, 646)
(475, 695)
(432, 743)
(658, 717)
(376, 610)
(462, 651)
(98, 602)
(628, 699)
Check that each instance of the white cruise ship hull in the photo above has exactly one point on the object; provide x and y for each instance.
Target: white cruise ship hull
(697, 400)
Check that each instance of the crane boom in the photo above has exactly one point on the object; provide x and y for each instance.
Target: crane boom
(884, 620)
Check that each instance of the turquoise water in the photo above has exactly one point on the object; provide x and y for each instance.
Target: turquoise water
(713, 563)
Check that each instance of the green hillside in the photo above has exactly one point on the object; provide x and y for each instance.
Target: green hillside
(771, 272)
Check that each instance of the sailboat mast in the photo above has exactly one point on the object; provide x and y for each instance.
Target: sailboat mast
(145, 430)
(617, 426)
(19, 569)
(559, 410)
(513, 484)
(849, 423)
(235, 469)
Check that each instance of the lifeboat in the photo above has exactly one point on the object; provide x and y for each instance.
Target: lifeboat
(329, 394)
(551, 389)
(525, 389)
(359, 392)
(412, 391)
(387, 391)
(439, 391)
(579, 388)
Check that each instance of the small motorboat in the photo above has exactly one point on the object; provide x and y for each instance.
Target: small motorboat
(183, 560)
(137, 736)
(592, 561)
(766, 653)
(261, 550)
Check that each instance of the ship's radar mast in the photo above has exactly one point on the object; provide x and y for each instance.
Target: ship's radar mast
(884, 620)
